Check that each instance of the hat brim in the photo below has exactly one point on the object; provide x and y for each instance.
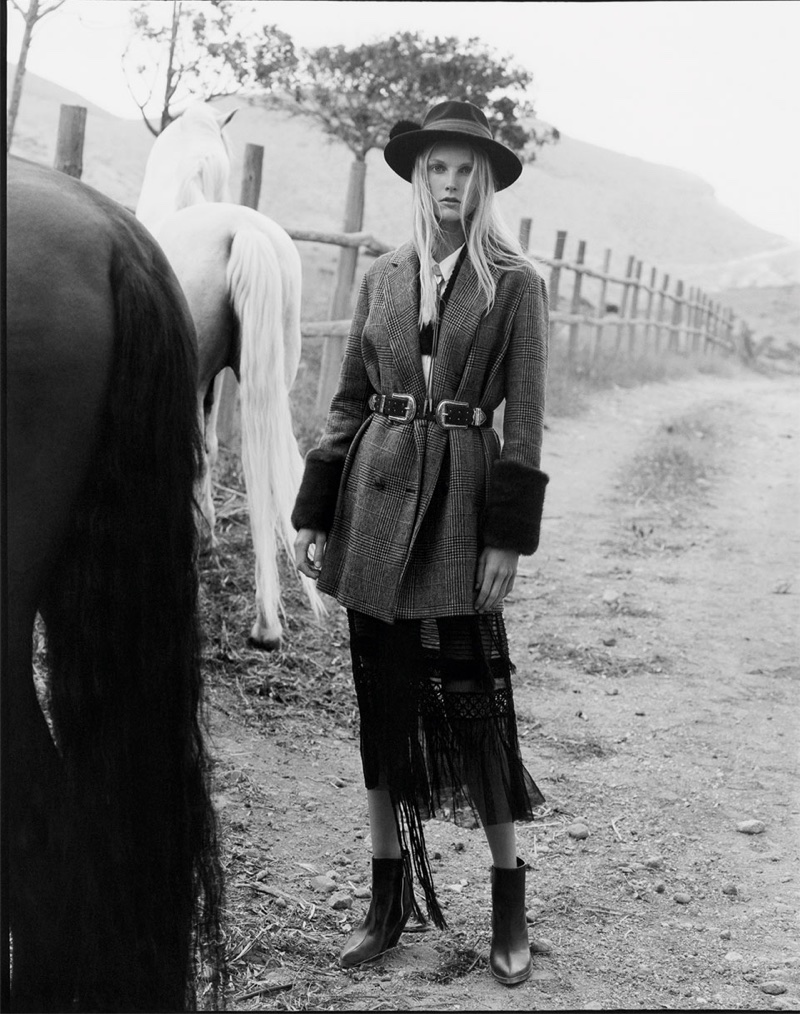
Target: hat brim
(401, 153)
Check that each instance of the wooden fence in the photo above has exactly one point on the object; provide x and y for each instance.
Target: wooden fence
(645, 316)
(628, 315)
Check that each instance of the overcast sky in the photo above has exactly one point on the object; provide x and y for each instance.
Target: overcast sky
(710, 86)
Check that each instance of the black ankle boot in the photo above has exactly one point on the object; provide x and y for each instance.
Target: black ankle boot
(389, 909)
(510, 955)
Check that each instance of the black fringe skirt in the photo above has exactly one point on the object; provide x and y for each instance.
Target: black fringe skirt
(438, 728)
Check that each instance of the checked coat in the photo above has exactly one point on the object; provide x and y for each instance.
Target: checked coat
(408, 506)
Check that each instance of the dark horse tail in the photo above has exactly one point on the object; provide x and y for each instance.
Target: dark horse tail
(145, 883)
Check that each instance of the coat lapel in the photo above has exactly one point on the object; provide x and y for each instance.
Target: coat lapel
(465, 308)
(402, 321)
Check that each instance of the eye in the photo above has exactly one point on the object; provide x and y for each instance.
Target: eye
(436, 167)
(466, 170)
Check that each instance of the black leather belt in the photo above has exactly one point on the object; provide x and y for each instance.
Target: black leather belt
(452, 415)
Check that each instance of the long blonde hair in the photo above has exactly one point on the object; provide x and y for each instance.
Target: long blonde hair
(490, 242)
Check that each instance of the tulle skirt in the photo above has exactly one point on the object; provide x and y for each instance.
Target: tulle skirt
(438, 727)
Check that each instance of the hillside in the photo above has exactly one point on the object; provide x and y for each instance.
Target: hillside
(666, 216)
(609, 200)
(663, 216)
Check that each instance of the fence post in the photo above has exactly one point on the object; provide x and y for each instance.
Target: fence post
(555, 271)
(633, 327)
(691, 318)
(251, 175)
(524, 233)
(677, 317)
(574, 326)
(69, 146)
(715, 328)
(728, 326)
(705, 310)
(333, 348)
(696, 305)
(711, 328)
(700, 312)
(601, 306)
(623, 307)
(662, 297)
(651, 295)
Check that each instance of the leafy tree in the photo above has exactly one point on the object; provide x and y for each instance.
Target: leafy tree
(358, 94)
(31, 14)
(208, 48)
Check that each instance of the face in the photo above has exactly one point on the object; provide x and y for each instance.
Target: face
(449, 168)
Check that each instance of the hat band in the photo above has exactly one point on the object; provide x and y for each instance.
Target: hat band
(462, 126)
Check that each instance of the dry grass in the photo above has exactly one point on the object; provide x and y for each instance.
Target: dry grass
(309, 672)
(279, 948)
(677, 466)
(570, 385)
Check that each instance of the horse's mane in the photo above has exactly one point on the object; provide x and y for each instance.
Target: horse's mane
(208, 182)
(189, 163)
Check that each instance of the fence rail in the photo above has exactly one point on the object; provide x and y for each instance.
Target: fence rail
(648, 314)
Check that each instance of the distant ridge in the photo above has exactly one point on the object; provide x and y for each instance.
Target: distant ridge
(664, 216)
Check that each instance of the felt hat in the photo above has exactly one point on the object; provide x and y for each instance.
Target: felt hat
(456, 122)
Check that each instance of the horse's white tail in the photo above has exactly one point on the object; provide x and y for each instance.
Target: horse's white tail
(273, 465)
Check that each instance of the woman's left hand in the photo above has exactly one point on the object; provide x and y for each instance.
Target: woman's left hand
(494, 578)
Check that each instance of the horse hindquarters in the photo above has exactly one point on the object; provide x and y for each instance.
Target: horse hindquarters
(138, 877)
(129, 726)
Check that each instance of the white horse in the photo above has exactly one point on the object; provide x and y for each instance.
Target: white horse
(241, 275)
(189, 164)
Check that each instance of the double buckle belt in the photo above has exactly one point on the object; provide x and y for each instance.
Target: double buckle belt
(451, 415)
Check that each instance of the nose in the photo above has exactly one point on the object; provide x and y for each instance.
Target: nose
(452, 182)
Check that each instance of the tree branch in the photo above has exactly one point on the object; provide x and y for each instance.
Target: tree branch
(49, 10)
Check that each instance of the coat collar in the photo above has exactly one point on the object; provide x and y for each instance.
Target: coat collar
(465, 308)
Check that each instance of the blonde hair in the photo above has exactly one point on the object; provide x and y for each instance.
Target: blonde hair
(490, 242)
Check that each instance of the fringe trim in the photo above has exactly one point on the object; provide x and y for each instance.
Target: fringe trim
(435, 749)
(415, 857)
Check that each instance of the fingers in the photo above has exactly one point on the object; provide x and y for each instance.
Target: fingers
(309, 550)
(494, 578)
(492, 592)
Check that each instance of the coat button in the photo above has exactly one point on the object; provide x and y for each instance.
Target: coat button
(380, 484)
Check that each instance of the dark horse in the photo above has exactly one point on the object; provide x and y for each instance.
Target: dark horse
(111, 876)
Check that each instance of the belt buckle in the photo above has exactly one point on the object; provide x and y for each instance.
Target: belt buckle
(409, 411)
(442, 414)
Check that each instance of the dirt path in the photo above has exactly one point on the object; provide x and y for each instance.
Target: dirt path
(657, 643)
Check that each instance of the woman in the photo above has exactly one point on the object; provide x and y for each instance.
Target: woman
(413, 517)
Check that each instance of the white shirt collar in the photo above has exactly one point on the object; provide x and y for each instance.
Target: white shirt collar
(446, 266)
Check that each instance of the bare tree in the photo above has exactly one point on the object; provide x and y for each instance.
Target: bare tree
(31, 14)
(210, 48)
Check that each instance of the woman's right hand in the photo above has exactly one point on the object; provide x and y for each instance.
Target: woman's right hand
(309, 564)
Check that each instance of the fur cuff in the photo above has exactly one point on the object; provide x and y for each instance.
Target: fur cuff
(514, 510)
(315, 505)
